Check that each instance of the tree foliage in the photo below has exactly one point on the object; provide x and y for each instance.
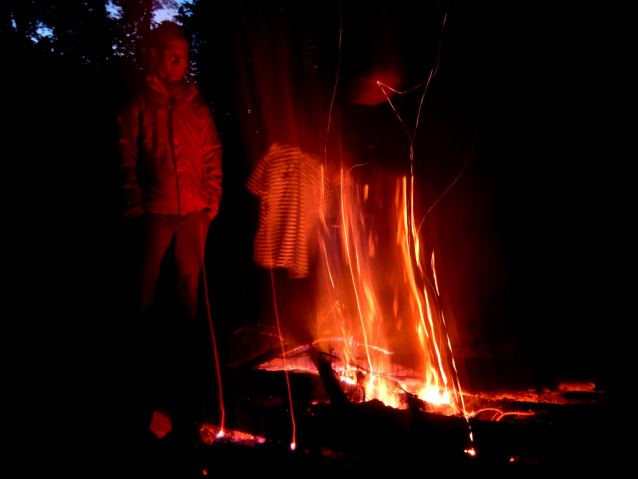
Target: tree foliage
(94, 34)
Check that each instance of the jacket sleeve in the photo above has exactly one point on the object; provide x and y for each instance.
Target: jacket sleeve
(212, 151)
(128, 123)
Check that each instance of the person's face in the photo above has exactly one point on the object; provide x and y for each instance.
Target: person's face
(173, 59)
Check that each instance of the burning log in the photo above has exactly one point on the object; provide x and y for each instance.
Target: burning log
(525, 434)
(337, 397)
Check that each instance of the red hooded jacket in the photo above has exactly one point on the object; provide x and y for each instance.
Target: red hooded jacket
(171, 154)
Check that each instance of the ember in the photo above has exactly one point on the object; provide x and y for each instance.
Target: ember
(210, 434)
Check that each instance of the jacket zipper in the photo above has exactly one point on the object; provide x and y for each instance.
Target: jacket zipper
(172, 105)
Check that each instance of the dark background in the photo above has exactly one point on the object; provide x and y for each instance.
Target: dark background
(527, 236)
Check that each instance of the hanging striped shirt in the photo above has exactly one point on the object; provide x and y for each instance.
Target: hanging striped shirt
(292, 191)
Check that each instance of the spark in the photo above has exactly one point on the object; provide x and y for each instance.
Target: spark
(422, 299)
(462, 169)
(433, 72)
(281, 341)
(334, 92)
(356, 291)
(436, 283)
(212, 334)
(515, 413)
(476, 413)
(415, 232)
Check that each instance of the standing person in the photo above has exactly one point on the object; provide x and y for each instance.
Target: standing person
(171, 157)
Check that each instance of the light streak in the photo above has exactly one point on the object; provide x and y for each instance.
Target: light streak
(371, 346)
(354, 283)
(514, 413)
(222, 411)
(493, 409)
(283, 353)
(415, 232)
(358, 246)
(436, 283)
(281, 342)
(334, 92)
(462, 169)
(415, 235)
(433, 72)
(436, 346)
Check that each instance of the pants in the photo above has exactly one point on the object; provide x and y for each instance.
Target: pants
(190, 232)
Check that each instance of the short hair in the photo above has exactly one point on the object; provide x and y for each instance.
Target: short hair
(165, 31)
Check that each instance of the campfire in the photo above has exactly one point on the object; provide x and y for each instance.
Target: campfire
(384, 334)
(379, 318)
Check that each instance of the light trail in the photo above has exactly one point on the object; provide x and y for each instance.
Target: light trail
(433, 72)
(410, 225)
(354, 283)
(334, 91)
(283, 353)
(222, 411)
(462, 170)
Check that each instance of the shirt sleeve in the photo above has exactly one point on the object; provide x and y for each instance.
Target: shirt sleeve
(256, 184)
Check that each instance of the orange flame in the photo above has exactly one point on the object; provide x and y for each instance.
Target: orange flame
(353, 320)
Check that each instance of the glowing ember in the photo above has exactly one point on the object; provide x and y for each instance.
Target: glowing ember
(435, 396)
(210, 434)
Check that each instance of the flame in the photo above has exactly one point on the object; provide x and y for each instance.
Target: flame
(353, 318)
